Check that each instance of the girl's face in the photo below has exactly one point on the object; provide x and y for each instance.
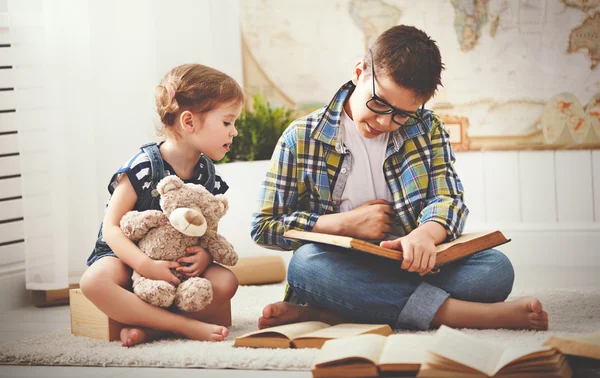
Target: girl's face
(214, 131)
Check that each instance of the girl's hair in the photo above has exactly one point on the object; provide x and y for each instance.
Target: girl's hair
(196, 88)
(409, 57)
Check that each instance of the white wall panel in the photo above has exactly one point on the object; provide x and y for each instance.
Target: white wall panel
(501, 175)
(9, 166)
(12, 253)
(7, 99)
(7, 79)
(7, 122)
(6, 57)
(11, 231)
(537, 186)
(11, 209)
(574, 193)
(10, 187)
(469, 166)
(9, 144)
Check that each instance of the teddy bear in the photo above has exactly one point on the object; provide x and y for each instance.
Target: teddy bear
(189, 217)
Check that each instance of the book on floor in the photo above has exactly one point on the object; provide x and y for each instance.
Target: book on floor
(587, 345)
(456, 354)
(306, 334)
(465, 245)
(371, 355)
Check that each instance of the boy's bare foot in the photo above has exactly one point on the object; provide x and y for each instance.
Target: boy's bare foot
(280, 313)
(522, 313)
(134, 336)
(197, 330)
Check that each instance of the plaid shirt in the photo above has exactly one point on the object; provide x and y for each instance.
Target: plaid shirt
(306, 164)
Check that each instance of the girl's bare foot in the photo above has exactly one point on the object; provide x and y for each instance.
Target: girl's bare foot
(197, 330)
(280, 313)
(134, 336)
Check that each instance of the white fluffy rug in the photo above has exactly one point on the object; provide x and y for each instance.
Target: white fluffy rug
(571, 312)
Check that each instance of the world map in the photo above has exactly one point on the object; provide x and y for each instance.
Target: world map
(505, 60)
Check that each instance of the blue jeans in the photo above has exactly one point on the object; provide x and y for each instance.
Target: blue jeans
(370, 289)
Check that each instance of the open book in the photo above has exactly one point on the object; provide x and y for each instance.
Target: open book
(465, 245)
(456, 354)
(306, 334)
(371, 355)
(587, 345)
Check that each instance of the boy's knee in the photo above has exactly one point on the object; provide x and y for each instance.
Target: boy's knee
(301, 264)
(503, 272)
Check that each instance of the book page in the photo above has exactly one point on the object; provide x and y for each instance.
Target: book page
(587, 345)
(514, 353)
(405, 349)
(363, 346)
(290, 330)
(467, 350)
(343, 330)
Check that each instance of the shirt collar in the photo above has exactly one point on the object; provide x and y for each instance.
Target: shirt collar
(328, 128)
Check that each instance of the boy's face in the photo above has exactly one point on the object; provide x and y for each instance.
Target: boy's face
(369, 123)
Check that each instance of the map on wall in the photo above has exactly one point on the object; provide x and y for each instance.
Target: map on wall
(522, 73)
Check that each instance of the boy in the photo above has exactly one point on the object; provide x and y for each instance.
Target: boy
(371, 164)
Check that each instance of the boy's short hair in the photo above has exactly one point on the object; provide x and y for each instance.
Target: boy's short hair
(410, 58)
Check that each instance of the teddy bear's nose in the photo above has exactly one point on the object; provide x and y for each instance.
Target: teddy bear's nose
(193, 217)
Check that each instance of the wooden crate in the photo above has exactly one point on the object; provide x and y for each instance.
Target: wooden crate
(87, 320)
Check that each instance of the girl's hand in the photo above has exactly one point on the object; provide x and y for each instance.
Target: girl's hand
(198, 259)
(371, 220)
(160, 270)
(418, 249)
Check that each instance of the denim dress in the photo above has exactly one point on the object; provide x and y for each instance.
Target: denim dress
(149, 198)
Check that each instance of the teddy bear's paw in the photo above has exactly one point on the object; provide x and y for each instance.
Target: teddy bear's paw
(189, 222)
(157, 293)
(194, 294)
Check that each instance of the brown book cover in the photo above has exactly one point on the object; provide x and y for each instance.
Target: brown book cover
(306, 334)
(456, 354)
(465, 245)
(587, 345)
(371, 355)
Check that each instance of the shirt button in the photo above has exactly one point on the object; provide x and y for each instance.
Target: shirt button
(344, 170)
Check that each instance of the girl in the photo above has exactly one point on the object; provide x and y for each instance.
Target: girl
(198, 106)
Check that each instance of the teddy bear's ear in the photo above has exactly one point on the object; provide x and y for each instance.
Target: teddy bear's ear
(169, 183)
(224, 204)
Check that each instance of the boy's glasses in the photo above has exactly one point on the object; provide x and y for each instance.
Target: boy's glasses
(380, 106)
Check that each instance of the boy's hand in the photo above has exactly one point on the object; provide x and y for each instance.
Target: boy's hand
(371, 220)
(418, 250)
(160, 270)
(198, 259)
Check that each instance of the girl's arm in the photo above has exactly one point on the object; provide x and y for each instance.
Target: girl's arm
(122, 201)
